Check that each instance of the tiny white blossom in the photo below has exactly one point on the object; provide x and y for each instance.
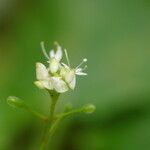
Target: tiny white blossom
(58, 54)
(48, 78)
(41, 71)
(69, 74)
(58, 76)
(53, 58)
(45, 81)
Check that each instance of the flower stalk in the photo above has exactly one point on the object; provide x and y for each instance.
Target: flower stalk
(54, 98)
(15, 102)
(57, 78)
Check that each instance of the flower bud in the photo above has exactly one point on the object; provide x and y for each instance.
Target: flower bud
(89, 108)
(16, 102)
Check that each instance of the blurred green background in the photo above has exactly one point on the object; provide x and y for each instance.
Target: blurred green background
(115, 37)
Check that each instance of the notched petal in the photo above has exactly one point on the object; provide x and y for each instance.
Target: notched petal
(52, 53)
(58, 54)
(41, 71)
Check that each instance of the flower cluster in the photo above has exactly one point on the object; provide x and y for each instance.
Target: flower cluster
(57, 76)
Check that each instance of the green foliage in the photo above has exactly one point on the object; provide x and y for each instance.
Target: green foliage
(114, 36)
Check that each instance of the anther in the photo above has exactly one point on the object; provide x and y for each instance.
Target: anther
(83, 61)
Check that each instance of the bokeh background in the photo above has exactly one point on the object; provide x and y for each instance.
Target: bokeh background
(115, 37)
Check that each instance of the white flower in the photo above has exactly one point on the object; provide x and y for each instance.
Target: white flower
(45, 81)
(69, 74)
(58, 76)
(53, 57)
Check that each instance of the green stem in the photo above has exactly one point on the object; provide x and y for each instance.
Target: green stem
(65, 114)
(61, 117)
(50, 122)
(54, 127)
(37, 114)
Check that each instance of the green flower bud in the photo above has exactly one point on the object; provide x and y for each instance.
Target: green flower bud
(89, 108)
(16, 102)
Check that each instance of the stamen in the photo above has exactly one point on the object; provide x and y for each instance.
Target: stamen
(67, 57)
(83, 61)
(43, 50)
(84, 67)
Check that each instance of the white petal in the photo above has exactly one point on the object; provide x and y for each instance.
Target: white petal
(39, 84)
(54, 65)
(52, 53)
(81, 73)
(59, 85)
(45, 84)
(58, 54)
(78, 70)
(69, 76)
(67, 67)
(73, 83)
(41, 71)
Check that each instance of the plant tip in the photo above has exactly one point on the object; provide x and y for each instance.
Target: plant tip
(89, 108)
